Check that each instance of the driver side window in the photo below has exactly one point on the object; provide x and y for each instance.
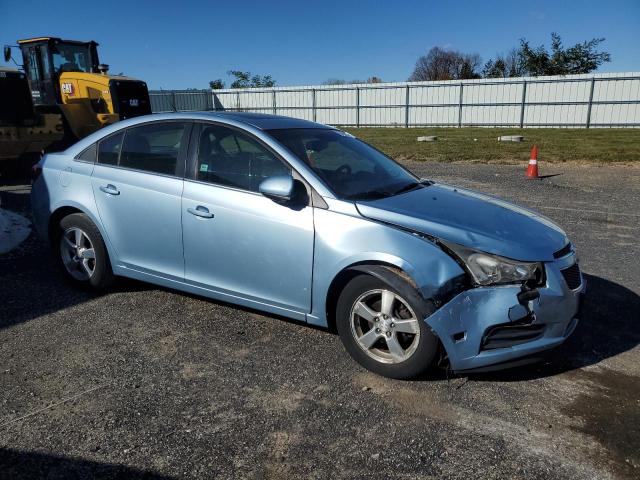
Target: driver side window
(232, 158)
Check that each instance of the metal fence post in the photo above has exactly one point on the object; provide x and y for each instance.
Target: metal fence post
(593, 83)
(238, 101)
(357, 107)
(406, 108)
(460, 106)
(175, 105)
(273, 101)
(524, 100)
(313, 103)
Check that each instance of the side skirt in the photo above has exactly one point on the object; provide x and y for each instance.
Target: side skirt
(227, 297)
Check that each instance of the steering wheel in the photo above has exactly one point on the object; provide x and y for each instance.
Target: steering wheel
(345, 169)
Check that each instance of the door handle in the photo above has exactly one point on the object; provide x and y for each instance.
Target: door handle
(200, 211)
(110, 189)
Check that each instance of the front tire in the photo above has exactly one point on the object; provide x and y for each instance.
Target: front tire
(82, 254)
(383, 327)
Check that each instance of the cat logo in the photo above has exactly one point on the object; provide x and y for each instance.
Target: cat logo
(67, 88)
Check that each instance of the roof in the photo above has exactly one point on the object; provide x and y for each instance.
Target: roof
(265, 121)
(56, 39)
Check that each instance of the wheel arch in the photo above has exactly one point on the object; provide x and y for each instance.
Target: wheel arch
(62, 211)
(388, 273)
(56, 217)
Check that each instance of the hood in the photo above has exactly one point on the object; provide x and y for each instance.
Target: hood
(472, 219)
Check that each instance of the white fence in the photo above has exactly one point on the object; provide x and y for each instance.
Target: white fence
(600, 100)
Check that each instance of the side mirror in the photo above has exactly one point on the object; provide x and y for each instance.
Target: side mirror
(7, 53)
(279, 188)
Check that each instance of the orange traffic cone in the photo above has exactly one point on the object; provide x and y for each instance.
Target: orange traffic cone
(532, 169)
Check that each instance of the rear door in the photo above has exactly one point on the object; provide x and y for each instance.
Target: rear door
(137, 183)
(237, 241)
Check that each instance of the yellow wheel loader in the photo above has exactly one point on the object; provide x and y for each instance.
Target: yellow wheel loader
(72, 96)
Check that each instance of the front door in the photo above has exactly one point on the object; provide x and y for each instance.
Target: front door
(137, 184)
(236, 241)
(42, 80)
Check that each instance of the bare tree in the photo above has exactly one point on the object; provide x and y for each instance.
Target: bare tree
(441, 64)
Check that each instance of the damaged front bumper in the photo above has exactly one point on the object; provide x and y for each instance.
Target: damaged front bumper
(488, 326)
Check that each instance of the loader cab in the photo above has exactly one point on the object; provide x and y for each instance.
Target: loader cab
(46, 58)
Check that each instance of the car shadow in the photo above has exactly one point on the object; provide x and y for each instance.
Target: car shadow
(21, 465)
(609, 325)
(32, 285)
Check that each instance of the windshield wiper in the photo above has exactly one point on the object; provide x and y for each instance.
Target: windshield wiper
(408, 187)
(371, 195)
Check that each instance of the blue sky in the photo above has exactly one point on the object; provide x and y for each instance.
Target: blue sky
(181, 44)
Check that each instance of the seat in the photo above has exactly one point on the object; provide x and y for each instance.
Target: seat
(215, 165)
(135, 152)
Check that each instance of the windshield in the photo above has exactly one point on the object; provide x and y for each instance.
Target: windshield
(352, 169)
(71, 58)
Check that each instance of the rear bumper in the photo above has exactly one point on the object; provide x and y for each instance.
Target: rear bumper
(487, 327)
(40, 208)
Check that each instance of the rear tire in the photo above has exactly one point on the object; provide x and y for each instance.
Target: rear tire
(383, 327)
(81, 253)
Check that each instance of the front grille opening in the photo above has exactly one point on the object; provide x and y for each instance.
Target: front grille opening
(572, 276)
(504, 336)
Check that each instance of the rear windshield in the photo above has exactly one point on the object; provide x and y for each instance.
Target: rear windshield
(352, 169)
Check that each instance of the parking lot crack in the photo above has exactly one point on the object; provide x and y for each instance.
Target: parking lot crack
(53, 405)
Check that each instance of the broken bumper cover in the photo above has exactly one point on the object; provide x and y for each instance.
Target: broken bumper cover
(487, 326)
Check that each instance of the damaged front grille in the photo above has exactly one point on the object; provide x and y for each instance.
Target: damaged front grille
(572, 276)
(503, 336)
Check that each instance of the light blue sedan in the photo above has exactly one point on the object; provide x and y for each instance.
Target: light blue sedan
(305, 221)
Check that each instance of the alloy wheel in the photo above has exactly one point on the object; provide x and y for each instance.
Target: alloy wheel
(384, 326)
(78, 254)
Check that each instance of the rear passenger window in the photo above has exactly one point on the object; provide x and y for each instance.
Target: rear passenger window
(229, 157)
(88, 154)
(109, 149)
(153, 148)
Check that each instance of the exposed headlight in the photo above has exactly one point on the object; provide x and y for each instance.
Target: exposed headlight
(489, 269)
